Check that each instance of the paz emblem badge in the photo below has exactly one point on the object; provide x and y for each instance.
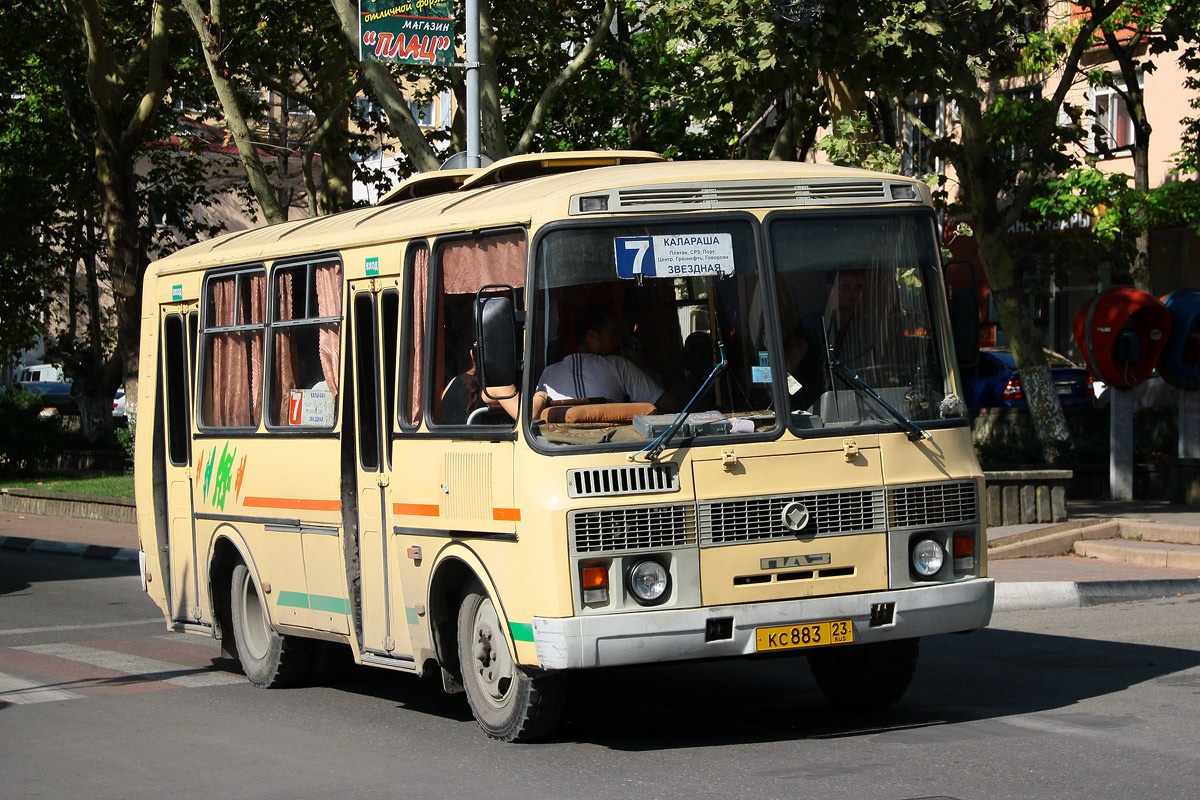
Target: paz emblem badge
(795, 516)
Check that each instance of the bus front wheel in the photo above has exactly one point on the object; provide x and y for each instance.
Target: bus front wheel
(864, 677)
(269, 659)
(508, 703)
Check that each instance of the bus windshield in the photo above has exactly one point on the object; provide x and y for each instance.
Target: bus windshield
(858, 299)
(630, 323)
(634, 323)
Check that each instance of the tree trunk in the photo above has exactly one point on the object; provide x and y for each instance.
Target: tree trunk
(1135, 101)
(400, 120)
(1012, 307)
(491, 117)
(980, 190)
(208, 29)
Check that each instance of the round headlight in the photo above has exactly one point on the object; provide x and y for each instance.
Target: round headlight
(648, 581)
(928, 557)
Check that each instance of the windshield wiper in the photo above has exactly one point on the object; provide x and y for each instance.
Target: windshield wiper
(912, 430)
(655, 448)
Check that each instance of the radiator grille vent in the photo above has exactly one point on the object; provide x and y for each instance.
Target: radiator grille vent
(750, 195)
(933, 504)
(608, 530)
(761, 518)
(634, 479)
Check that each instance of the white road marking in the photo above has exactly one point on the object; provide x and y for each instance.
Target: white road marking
(147, 668)
(20, 691)
(57, 628)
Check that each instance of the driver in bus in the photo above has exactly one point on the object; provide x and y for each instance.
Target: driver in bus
(596, 371)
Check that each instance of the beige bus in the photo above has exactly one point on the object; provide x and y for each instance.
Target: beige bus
(566, 412)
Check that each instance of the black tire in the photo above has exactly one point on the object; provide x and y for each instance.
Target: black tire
(507, 702)
(269, 659)
(864, 677)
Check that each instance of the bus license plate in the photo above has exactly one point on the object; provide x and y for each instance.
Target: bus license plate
(814, 634)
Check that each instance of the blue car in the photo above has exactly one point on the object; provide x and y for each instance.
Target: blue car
(994, 383)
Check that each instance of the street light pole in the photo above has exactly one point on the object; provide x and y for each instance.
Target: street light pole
(472, 20)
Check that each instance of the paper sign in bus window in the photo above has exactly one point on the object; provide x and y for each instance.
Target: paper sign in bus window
(312, 408)
(676, 256)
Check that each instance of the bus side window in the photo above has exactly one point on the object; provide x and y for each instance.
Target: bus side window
(234, 319)
(175, 365)
(416, 304)
(465, 266)
(305, 343)
(390, 312)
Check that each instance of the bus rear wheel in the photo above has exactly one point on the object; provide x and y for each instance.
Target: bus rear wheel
(269, 659)
(508, 703)
(865, 677)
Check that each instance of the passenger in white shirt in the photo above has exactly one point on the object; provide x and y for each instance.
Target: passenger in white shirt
(595, 371)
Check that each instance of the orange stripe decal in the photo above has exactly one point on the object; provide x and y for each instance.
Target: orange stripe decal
(506, 514)
(295, 503)
(416, 509)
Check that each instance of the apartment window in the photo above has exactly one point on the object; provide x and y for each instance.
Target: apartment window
(422, 112)
(306, 317)
(1112, 126)
(232, 334)
(918, 157)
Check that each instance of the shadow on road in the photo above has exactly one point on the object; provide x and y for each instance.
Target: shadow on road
(988, 675)
(20, 569)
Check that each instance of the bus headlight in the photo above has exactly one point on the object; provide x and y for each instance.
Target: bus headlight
(648, 581)
(927, 558)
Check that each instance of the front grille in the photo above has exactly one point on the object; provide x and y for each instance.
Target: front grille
(607, 530)
(933, 504)
(761, 518)
(633, 479)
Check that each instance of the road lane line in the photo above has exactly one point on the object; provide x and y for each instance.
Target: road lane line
(146, 668)
(22, 692)
(58, 628)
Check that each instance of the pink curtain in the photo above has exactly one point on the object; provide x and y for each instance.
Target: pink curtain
(256, 287)
(420, 267)
(234, 395)
(472, 263)
(285, 350)
(329, 304)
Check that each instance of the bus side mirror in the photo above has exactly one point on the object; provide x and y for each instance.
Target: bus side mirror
(496, 336)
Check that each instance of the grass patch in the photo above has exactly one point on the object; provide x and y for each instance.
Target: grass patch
(100, 485)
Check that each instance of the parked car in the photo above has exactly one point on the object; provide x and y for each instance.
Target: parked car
(995, 383)
(119, 408)
(55, 396)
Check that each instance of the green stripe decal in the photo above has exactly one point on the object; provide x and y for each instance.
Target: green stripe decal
(332, 605)
(521, 631)
(293, 599)
(316, 602)
(411, 614)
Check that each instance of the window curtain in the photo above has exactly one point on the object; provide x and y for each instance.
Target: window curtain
(472, 263)
(420, 303)
(234, 397)
(285, 349)
(329, 304)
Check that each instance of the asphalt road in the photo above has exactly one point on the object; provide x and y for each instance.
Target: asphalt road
(96, 699)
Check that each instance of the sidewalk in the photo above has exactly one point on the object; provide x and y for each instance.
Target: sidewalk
(1020, 582)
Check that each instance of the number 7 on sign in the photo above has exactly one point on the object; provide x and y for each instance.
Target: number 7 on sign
(631, 257)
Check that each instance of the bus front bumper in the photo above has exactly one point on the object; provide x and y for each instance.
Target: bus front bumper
(679, 634)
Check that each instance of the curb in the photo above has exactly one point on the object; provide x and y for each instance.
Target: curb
(71, 506)
(119, 555)
(1023, 595)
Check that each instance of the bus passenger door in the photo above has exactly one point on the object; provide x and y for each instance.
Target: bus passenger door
(175, 376)
(383, 633)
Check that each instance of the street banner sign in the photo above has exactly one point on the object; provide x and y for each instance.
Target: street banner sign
(406, 31)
